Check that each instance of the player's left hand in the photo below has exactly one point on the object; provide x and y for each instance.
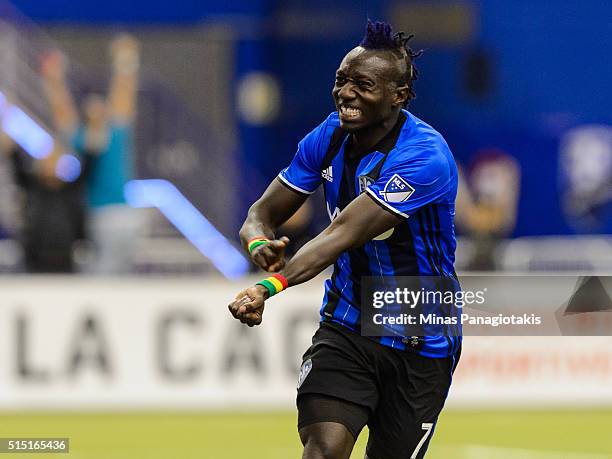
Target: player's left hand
(248, 306)
(271, 256)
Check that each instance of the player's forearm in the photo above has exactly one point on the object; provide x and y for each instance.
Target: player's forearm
(270, 211)
(358, 223)
(317, 254)
(258, 223)
(265, 217)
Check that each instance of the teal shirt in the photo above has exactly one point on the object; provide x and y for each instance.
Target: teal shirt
(111, 169)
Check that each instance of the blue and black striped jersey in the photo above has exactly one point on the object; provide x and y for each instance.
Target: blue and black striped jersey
(411, 173)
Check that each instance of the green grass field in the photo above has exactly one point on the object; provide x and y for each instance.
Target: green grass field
(459, 435)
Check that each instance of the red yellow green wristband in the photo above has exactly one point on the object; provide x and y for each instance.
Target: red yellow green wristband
(275, 284)
(256, 242)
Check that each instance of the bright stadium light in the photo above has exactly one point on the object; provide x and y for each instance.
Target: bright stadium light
(35, 141)
(188, 220)
(68, 167)
(26, 132)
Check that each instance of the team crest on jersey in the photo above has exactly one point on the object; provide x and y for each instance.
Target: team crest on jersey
(328, 174)
(364, 182)
(306, 367)
(397, 190)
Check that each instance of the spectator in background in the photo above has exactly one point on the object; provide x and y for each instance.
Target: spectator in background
(103, 139)
(10, 221)
(586, 178)
(49, 217)
(487, 202)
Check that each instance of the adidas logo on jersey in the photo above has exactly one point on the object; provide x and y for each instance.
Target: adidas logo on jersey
(328, 174)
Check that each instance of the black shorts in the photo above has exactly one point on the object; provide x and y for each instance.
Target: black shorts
(401, 393)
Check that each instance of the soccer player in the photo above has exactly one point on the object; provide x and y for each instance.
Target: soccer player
(390, 184)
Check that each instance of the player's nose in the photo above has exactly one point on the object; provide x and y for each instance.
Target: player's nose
(346, 92)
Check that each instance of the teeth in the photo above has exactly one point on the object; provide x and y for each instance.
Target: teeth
(350, 112)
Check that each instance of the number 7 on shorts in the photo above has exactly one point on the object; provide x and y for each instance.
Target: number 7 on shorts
(427, 427)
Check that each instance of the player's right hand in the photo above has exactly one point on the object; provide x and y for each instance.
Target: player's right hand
(271, 256)
(248, 306)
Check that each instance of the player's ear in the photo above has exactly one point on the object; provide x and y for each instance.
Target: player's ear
(400, 96)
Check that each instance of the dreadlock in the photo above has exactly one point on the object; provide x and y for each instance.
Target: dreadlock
(379, 35)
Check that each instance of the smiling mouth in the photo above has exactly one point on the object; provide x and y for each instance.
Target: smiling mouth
(349, 113)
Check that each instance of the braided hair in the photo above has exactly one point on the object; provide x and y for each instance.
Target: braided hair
(379, 36)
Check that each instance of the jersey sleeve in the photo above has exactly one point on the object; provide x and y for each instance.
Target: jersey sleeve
(303, 174)
(406, 185)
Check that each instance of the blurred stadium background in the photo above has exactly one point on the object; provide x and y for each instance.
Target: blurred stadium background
(151, 365)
